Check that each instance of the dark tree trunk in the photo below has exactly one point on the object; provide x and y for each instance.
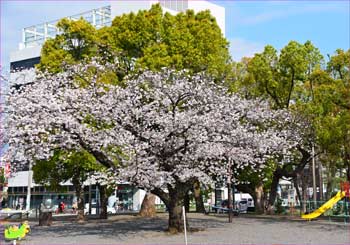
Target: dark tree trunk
(330, 179)
(187, 200)
(273, 191)
(198, 197)
(176, 223)
(174, 200)
(103, 201)
(296, 186)
(148, 208)
(80, 199)
(304, 191)
(175, 204)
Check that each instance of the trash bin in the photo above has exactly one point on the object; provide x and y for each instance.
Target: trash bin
(45, 213)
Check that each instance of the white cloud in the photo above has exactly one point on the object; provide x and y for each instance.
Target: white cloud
(240, 48)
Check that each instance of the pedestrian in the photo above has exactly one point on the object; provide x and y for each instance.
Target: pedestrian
(61, 207)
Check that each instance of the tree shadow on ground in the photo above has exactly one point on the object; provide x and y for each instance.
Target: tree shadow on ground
(119, 228)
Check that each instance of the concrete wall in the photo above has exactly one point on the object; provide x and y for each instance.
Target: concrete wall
(26, 53)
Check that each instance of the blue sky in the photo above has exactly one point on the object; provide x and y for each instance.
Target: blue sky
(250, 25)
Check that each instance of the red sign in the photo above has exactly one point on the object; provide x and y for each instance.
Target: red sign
(345, 186)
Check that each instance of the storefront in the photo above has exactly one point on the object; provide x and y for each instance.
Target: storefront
(127, 197)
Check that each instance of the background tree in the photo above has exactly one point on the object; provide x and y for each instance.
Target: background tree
(330, 109)
(284, 80)
(76, 42)
(66, 166)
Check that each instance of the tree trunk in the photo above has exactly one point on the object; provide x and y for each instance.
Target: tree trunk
(296, 186)
(304, 192)
(175, 204)
(259, 199)
(103, 201)
(176, 223)
(273, 191)
(187, 202)
(79, 192)
(198, 197)
(174, 200)
(80, 199)
(148, 208)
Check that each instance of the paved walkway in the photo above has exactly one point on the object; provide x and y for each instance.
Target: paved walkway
(214, 229)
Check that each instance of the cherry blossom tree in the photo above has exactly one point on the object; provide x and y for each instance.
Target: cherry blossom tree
(162, 132)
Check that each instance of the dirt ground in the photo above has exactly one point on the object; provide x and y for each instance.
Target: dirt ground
(214, 229)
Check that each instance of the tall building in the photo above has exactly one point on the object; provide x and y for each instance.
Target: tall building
(28, 53)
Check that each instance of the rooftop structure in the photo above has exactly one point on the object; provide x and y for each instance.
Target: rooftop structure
(36, 35)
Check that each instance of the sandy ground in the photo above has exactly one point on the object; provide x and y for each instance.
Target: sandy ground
(214, 229)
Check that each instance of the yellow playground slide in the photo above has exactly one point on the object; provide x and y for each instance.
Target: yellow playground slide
(329, 204)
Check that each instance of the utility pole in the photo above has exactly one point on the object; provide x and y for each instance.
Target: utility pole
(229, 205)
(30, 178)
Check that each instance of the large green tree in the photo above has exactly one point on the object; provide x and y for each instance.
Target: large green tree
(283, 78)
(148, 38)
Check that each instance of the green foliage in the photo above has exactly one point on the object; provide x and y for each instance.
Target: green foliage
(338, 65)
(280, 78)
(150, 37)
(64, 166)
(297, 78)
(77, 42)
(187, 40)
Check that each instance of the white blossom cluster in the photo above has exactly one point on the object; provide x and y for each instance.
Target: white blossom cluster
(161, 129)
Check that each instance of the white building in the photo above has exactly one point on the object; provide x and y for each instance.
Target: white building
(28, 54)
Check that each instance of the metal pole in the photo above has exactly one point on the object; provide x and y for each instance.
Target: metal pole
(90, 198)
(229, 205)
(184, 216)
(314, 175)
(30, 177)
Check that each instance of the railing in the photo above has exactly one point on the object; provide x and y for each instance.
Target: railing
(36, 35)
